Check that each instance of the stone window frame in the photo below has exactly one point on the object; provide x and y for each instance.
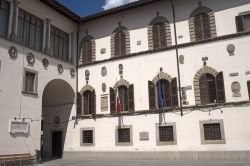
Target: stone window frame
(35, 83)
(202, 137)
(86, 38)
(112, 42)
(81, 135)
(130, 143)
(202, 9)
(163, 143)
(158, 19)
(199, 73)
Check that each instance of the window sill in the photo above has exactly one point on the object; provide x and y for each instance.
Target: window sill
(30, 93)
(204, 142)
(87, 144)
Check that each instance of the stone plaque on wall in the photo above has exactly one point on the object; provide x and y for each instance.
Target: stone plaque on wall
(144, 136)
(104, 103)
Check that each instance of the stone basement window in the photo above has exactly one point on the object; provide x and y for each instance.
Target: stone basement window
(87, 137)
(166, 134)
(123, 136)
(30, 81)
(212, 132)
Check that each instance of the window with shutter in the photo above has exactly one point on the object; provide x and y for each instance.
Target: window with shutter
(166, 93)
(174, 92)
(120, 43)
(89, 102)
(248, 87)
(86, 50)
(123, 96)
(243, 23)
(112, 100)
(131, 106)
(202, 26)
(79, 104)
(151, 95)
(220, 91)
(4, 17)
(159, 35)
(208, 92)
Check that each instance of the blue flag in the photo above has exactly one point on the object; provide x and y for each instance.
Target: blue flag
(159, 95)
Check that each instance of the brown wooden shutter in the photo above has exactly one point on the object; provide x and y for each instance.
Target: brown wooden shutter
(79, 104)
(239, 23)
(151, 95)
(204, 89)
(162, 31)
(89, 50)
(83, 53)
(198, 27)
(174, 92)
(112, 100)
(248, 87)
(122, 43)
(93, 103)
(117, 44)
(131, 105)
(220, 91)
(206, 26)
(86, 103)
(155, 36)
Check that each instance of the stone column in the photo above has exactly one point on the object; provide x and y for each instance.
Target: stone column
(47, 48)
(15, 4)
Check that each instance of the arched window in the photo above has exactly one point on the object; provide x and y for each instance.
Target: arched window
(207, 89)
(87, 50)
(202, 24)
(120, 42)
(209, 86)
(168, 90)
(159, 34)
(126, 96)
(123, 96)
(86, 103)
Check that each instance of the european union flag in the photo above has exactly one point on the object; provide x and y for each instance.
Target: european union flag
(159, 95)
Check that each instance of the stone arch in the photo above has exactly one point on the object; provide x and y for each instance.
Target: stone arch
(87, 87)
(195, 12)
(87, 38)
(161, 76)
(159, 19)
(121, 82)
(199, 73)
(124, 29)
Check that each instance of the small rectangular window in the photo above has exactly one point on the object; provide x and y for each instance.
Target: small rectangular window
(87, 137)
(123, 136)
(166, 133)
(212, 132)
(30, 81)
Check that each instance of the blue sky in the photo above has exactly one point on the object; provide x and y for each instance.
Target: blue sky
(89, 7)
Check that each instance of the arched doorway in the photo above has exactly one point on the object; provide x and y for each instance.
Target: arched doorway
(57, 104)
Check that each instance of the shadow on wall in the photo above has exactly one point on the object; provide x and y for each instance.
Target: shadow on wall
(58, 100)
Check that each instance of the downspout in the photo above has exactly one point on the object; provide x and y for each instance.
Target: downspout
(177, 56)
(77, 60)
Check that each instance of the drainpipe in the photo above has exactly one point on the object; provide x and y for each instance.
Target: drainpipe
(77, 59)
(177, 56)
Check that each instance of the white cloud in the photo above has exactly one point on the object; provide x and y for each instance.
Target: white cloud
(114, 3)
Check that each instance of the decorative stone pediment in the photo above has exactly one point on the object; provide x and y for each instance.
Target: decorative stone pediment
(121, 82)
(87, 87)
(162, 76)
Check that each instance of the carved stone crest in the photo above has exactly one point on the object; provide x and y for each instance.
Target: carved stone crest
(30, 58)
(104, 87)
(231, 49)
(13, 52)
(104, 71)
(72, 72)
(87, 73)
(235, 87)
(45, 62)
(57, 121)
(60, 68)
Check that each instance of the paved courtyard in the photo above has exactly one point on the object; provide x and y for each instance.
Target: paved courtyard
(143, 163)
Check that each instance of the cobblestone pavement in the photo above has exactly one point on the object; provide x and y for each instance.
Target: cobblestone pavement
(62, 162)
